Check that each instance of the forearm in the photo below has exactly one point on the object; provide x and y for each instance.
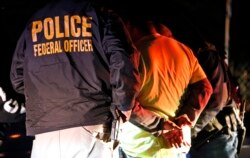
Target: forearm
(146, 119)
(198, 96)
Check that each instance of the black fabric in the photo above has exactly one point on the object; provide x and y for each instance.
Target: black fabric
(71, 77)
(220, 110)
(209, 59)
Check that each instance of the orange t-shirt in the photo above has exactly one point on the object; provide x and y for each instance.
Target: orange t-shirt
(167, 67)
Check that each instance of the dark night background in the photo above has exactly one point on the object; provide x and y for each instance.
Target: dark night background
(189, 20)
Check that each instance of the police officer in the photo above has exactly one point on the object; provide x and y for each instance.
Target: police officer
(74, 62)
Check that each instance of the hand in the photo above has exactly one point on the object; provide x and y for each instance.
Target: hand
(169, 125)
(176, 136)
(183, 120)
(173, 138)
(125, 115)
(172, 134)
(186, 130)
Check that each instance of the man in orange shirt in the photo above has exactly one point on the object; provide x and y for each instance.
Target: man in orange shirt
(168, 70)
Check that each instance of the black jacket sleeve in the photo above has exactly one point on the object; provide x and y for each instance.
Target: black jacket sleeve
(123, 61)
(16, 72)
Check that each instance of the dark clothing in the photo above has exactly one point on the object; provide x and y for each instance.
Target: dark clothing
(68, 62)
(223, 146)
(211, 64)
(215, 133)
